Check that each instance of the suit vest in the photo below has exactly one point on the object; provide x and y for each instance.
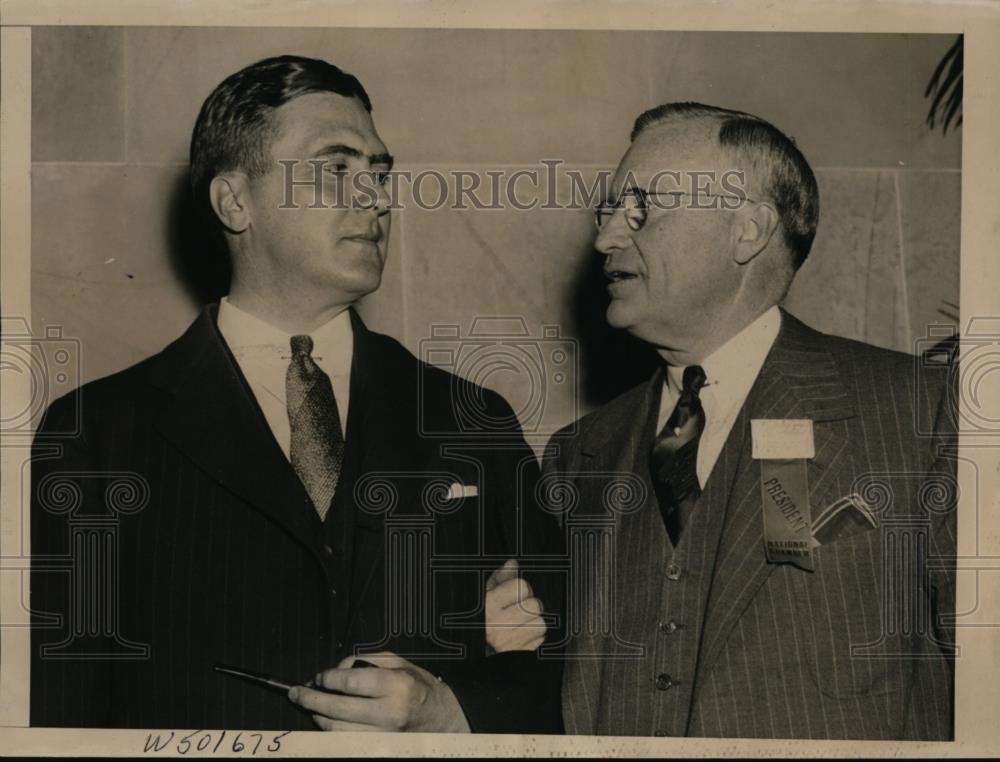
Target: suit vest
(660, 599)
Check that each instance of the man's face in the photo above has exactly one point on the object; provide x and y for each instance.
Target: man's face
(334, 254)
(672, 277)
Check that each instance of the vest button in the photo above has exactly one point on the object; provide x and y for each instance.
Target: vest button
(333, 592)
(660, 733)
(664, 682)
(669, 627)
(673, 572)
(328, 550)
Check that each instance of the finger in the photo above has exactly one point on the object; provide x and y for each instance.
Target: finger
(517, 639)
(516, 616)
(352, 661)
(325, 723)
(513, 617)
(368, 683)
(509, 593)
(384, 659)
(531, 626)
(506, 572)
(335, 707)
(518, 611)
(531, 606)
(533, 645)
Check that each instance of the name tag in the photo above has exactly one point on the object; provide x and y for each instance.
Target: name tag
(784, 448)
(778, 439)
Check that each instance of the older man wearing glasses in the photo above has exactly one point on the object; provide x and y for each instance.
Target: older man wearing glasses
(756, 587)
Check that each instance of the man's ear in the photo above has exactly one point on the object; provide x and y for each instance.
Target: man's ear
(754, 231)
(229, 195)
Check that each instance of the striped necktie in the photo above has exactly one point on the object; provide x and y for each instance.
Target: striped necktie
(673, 461)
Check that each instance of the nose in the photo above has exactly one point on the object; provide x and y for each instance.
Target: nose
(370, 195)
(383, 202)
(614, 236)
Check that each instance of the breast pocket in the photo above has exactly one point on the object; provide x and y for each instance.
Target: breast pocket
(847, 615)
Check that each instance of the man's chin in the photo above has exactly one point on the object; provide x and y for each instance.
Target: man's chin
(619, 315)
(362, 282)
(367, 287)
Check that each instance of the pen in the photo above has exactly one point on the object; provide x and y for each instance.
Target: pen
(269, 681)
(260, 678)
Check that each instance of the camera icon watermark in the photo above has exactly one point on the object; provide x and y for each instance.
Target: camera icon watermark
(46, 367)
(499, 353)
(973, 396)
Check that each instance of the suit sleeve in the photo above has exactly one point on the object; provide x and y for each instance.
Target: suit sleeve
(68, 688)
(939, 499)
(518, 691)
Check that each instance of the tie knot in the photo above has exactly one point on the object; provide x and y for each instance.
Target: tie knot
(693, 380)
(303, 345)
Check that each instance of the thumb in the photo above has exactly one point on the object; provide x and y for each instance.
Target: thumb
(506, 572)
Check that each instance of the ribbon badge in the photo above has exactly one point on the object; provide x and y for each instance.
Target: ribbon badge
(784, 448)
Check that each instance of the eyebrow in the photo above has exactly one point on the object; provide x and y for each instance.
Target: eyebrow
(346, 150)
(613, 198)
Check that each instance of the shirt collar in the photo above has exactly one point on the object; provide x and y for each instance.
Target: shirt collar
(736, 363)
(247, 335)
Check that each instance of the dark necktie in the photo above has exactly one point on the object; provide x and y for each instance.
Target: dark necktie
(673, 461)
(317, 446)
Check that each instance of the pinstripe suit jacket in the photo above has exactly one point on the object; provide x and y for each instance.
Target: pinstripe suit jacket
(227, 561)
(861, 647)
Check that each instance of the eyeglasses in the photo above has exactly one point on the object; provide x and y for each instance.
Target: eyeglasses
(635, 202)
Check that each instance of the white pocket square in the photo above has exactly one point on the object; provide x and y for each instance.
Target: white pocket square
(458, 491)
(845, 516)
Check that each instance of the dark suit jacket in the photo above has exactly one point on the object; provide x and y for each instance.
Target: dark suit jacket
(170, 533)
(775, 657)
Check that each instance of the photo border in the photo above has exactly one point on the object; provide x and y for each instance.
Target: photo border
(977, 692)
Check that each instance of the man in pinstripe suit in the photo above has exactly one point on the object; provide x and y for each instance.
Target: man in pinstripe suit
(291, 493)
(723, 607)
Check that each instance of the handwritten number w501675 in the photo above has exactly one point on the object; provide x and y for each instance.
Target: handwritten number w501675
(209, 742)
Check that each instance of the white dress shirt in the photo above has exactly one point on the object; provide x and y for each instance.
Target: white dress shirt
(264, 352)
(730, 372)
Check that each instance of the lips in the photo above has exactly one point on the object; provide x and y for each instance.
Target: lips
(614, 275)
(619, 279)
(372, 238)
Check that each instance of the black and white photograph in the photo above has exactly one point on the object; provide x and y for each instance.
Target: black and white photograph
(497, 382)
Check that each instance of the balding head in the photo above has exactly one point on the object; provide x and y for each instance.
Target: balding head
(776, 168)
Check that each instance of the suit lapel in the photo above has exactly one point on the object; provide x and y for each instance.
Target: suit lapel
(211, 416)
(609, 448)
(611, 444)
(382, 437)
(799, 379)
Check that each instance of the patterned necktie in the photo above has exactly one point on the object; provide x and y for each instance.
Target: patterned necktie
(317, 448)
(673, 461)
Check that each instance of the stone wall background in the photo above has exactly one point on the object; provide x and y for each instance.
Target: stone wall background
(114, 263)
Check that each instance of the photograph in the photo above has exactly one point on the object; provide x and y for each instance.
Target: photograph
(551, 383)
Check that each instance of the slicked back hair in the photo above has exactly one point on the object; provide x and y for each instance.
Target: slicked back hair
(780, 169)
(235, 126)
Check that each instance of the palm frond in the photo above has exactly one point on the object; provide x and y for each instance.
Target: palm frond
(949, 310)
(945, 89)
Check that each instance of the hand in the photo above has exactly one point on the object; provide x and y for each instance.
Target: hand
(513, 614)
(397, 695)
